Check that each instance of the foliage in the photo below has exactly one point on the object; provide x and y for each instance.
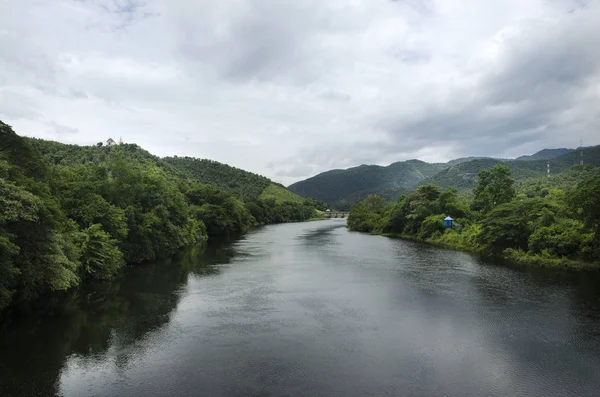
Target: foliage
(71, 213)
(555, 224)
(564, 238)
(37, 250)
(244, 185)
(511, 224)
(267, 202)
(586, 197)
(545, 154)
(100, 256)
(280, 195)
(366, 215)
(494, 187)
(342, 188)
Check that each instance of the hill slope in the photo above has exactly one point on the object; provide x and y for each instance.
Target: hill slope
(464, 175)
(247, 186)
(71, 213)
(342, 187)
(545, 154)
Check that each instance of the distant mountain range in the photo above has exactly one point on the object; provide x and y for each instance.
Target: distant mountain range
(545, 154)
(342, 188)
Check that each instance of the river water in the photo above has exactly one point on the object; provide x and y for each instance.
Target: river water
(311, 309)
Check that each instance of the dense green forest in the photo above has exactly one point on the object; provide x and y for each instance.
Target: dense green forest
(71, 213)
(343, 188)
(545, 154)
(543, 221)
(267, 201)
(464, 175)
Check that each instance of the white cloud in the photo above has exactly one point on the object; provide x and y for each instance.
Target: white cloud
(288, 89)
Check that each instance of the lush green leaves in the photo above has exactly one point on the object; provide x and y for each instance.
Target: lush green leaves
(547, 225)
(494, 187)
(69, 213)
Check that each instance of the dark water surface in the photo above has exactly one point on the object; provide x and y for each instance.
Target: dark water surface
(311, 309)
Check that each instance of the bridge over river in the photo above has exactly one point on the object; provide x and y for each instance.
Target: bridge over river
(335, 214)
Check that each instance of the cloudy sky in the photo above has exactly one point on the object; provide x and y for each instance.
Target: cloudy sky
(292, 88)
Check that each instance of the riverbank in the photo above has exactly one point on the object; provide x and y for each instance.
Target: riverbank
(557, 229)
(511, 255)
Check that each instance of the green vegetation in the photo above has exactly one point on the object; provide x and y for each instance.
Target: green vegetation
(545, 222)
(464, 175)
(546, 154)
(243, 184)
(343, 188)
(70, 213)
(280, 195)
(267, 201)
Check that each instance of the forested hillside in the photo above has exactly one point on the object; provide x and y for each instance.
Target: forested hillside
(267, 201)
(543, 221)
(464, 175)
(70, 213)
(243, 184)
(545, 154)
(343, 188)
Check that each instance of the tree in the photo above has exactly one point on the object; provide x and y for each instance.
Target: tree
(100, 257)
(494, 187)
(366, 215)
(586, 198)
(510, 225)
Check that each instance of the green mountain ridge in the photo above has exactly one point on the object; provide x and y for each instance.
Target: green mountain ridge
(347, 186)
(545, 154)
(343, 188)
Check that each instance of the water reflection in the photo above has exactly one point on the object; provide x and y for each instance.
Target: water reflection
(90, 321)
(312, 309)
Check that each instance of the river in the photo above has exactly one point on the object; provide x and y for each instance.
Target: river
(311, 309)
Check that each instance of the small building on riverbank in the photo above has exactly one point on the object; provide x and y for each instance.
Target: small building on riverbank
(448, 222)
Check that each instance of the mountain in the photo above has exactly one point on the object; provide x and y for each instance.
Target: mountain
(69, 213)
(464, 175)
(343, 187)
(245, 185)
(545, 154)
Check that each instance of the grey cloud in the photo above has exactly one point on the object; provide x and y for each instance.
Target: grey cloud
(15, 105)
(544, 71)
(411, 56)
(546, 61)
(305, 86)
(60, 129)
(264, 41)
(335, 96)
(294, 171)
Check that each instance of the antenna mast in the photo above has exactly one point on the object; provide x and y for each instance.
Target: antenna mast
(548, 168)
(581, 146)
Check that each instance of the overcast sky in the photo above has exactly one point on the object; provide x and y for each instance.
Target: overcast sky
(289, 89)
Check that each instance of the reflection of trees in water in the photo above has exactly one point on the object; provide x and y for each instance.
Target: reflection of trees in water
(321, 235)
(520, 316)
(86, 322)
